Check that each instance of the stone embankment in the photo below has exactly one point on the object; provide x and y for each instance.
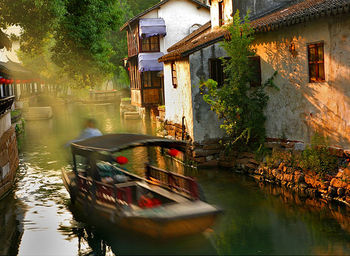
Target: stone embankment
(307, 183)
(128, 111)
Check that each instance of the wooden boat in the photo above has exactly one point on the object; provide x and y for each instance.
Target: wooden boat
(163, 204)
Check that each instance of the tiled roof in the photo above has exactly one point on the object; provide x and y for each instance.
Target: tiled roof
(301, 12)
(200, 40)
(199, 3)
(297, 13)
(188, 38)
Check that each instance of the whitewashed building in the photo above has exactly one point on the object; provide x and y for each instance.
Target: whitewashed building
(306, 42)
(150, 34)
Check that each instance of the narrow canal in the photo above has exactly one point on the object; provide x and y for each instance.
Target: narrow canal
(37, 218)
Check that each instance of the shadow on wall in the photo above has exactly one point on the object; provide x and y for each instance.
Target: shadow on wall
(300, 109)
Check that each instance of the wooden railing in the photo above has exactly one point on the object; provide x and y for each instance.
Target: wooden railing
(5, 104)
(106, 193)
(173, 181)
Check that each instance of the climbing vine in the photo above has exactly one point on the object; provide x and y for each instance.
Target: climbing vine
(239, 105)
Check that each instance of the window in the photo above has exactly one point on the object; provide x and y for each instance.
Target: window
(254, 62)
(216, 71)
(221, 13)
(133, 69)
(150, 44)
(316, 62)
(81, 163)
(151, 79)
(174, 74)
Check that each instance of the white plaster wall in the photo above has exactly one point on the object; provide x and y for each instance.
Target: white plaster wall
(151, 15)
(186, 100)
(299, 108)
(5, 123)
(178, 101)
(214, 12)
(179, 16)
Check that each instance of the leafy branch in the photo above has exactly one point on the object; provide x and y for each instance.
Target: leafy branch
(238, 105)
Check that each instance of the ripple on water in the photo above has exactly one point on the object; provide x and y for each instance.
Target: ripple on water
(257, 220)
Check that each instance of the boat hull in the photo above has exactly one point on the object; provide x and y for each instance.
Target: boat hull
(163, 228)
(169, 229)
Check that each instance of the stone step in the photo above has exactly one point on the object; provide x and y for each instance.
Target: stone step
(132, 116)
(132, 113)
(127, 117)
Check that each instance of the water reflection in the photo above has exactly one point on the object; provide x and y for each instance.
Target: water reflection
(271, 220)
(258, 219)
(102, 239)
(11, 218)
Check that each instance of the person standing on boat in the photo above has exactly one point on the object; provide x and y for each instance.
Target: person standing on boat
(89, 131)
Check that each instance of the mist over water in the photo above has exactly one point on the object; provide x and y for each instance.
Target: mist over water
(38, 219)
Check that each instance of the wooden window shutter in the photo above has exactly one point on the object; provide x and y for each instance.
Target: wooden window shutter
(316, 62)
(216, 71)
(221, 12)
(174, 74)
(256, 70)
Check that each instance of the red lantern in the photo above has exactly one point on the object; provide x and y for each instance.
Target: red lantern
(12, 81)
(173, 152)
(2, 80)
(7, 81)
(18, 81)
(121, 160)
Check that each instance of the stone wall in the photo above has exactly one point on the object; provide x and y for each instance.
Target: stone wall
(206, 125)
(208, 153)
(5, 123)
(307, 183)
(256, 7)
(9, 160)
(260, 7)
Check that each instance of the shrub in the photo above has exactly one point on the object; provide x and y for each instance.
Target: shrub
(316, 158)
(239, 106)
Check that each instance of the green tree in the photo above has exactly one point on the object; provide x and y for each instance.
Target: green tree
(37, 18)
(78, 32)
(139, 6)
(239, 106)
(82, 48)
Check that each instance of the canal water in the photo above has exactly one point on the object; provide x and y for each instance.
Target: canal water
(38, 219)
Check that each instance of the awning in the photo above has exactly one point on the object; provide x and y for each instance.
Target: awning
(149, 61)
(152, 27)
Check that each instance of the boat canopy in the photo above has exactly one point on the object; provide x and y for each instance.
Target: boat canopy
(116, 142)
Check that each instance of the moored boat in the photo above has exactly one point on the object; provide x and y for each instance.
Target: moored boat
(162, 204)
